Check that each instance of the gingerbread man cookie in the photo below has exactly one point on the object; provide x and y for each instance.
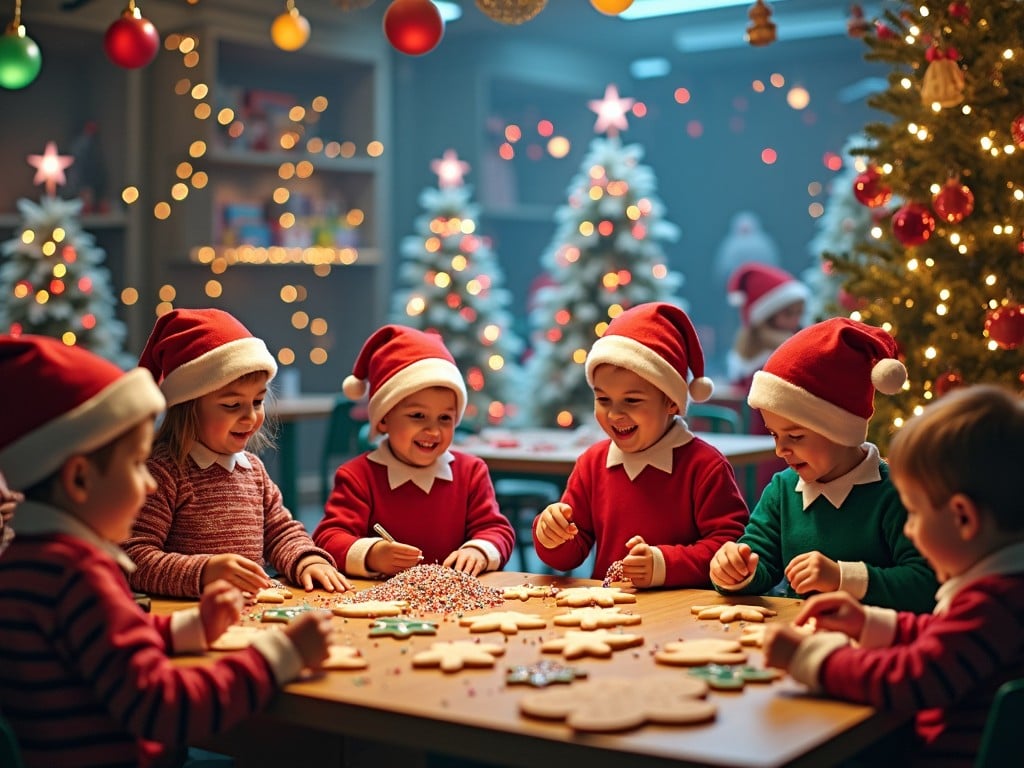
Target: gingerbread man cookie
(344, 657)
(370, 609)
(619, 704)
(603, 596)
(601, 643)
(525, 591)
(727, 613)
(692, 653)
(591, 617)
(453, 656)
(509, 622)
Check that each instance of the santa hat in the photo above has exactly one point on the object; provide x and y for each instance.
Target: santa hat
(824, 378)
(397, 361)
(63, 401)
(761, 290)
(193, 352)
(658, 343)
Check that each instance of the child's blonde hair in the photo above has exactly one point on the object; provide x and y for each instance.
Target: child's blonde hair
(967, 442)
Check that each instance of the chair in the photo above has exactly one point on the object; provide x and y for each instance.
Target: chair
(10, 752)
(704, 417)
(520, 499)
(342, 441)
(1000, 738)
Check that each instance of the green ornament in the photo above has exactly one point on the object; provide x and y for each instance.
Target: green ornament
(20, 60)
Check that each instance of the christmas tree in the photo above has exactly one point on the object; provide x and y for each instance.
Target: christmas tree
(451, 283)
(606, 256)
(946, 277)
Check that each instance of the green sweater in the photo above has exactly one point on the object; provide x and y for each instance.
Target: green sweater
(867, 528)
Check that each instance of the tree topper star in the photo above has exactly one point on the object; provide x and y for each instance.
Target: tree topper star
(50, 168)
(449, 169)
(611, 112)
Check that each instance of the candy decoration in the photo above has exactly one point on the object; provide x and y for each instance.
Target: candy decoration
(947, 382)
(913, 224)
(413, 27)
(132, 41)
(762, 29)
(511, 11)
(884, 32)
(857, 25)
(1005, 326)
(611, 7)
(960, 11)
(943, 82)
(20, 60)
(954, 202)
(870, 189)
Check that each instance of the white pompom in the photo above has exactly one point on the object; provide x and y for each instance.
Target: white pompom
(888, 376)
(701, 389)
(736, 298)
(353, 388)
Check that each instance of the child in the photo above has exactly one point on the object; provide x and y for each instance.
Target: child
(433, 504)
(652, 495)
(957, 468)
(8, 501)
(216, 513)
(88, 680)
(831, 520)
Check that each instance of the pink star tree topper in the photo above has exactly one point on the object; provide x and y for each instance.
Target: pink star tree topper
(611, 112)
(50, 167)
(449, 169)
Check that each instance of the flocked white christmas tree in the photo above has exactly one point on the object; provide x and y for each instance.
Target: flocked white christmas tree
(53, 281)
(606, 256)
(450, 282)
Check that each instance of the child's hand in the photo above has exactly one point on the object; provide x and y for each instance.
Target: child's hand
(391, 557)
(220, 605)
(467, 560)
(239, 571)
(838, 611)
(780, 644)
(812, 572)
(638, 565)
(732, 564)
(554, 525)
(314, 570)
(308, 633)
(8, 501)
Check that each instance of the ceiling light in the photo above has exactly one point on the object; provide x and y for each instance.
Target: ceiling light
(449, 11)
(644, 69)
(648, 9)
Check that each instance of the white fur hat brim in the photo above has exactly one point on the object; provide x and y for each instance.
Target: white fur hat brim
(428, 372)
(626, 352)
(777, 299)
(217, 368)
(769, 392)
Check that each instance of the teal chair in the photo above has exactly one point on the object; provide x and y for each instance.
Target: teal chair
(10, 752)
(1000, 738)
(704, 417)
(521, 498)
(343, 440)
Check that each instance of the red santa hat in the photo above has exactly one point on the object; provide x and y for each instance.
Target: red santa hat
(193, 352)
(825, 376)
(657, 342)
(397, 361)
(761, 290)
(63, 401)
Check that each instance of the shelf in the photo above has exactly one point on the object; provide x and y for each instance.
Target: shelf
(538, 214)
(273, 160)
(275, 256)
(88, 221)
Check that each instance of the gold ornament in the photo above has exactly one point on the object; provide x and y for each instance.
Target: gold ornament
(511, 11)
(762, 29)
(943, 83)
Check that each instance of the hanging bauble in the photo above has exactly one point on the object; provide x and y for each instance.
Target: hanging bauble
(884, 32)
(131, 41)
(954, 202)
(413, 27)
(913, 224)
(870, 189)
(611, 7)
(960, 11)
(947, 382)
(856, 24)
(1017, 129)
(762, 29)
(1005, 326)
(943, 82)
(20, 60)
(849, 302)
(290, 30)
(511, 11)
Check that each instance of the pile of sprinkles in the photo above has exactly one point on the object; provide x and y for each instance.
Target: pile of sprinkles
(434, 588)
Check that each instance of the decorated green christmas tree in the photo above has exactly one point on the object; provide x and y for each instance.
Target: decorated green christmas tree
(606, 256)
(52, 279)
(451, 283)
(947, 275)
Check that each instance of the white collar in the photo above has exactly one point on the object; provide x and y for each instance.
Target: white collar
(658, 455)
(205, 458)
(1006, 560)
(35, 519)
(399, 472)
(837, 490)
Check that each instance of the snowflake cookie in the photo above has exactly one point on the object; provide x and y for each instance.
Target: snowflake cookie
(591, 617)
(509, 622)
(727, 613)
(370, 609)
(453, 656)
(525, 591)
(400, 627)
(730, 678)
(284, 615)
(619, 704)
(575, 644)
(542, 674)
(692, 653)
(603, 596)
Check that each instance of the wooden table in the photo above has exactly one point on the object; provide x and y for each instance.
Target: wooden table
(474, 714)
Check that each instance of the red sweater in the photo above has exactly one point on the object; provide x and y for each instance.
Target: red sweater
(86, 678)
(687, 514)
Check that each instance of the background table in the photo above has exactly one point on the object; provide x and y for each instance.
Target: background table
(287, 412)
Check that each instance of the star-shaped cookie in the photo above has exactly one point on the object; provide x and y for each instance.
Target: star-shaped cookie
(591, 617)
(603, 596)
(344, 657)
(370, 609)
(731, 678)
(453, 656)
(726, 613)
(692, 653)
(542, 674)
(400, 627)
(525, 591)
(509, 622)
(575, 644)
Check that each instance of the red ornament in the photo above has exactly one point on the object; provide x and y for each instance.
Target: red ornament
(884, 32)
(1005, 326)
(954, 202)
(947, 382)
(1017, 130)
(849, 302)
(870, 190)
(413, 27)
(857, 25)
(913, 224)
(959, 11)
(131, 41)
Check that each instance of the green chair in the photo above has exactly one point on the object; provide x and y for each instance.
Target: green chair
(342, 441)
(520, 499)
(10, 752)
(704, 417)
(1000, 737)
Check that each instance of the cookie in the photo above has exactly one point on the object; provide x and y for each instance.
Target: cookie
(542, 674)
(733, 678)
(344, 657)
(509, 622)
(525, 591)
(400, 627)
(693, 653)
(235, 638)
(620, 704)
(600, 643)
(284, 614)
(455, 655)
(603, 596)
(591, 617)
(370, 609)
(753, 634)
(727, 613)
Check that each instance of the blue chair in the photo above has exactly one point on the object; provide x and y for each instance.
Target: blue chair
(1000, 737)
(720, 419)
